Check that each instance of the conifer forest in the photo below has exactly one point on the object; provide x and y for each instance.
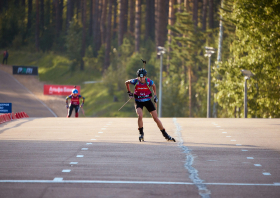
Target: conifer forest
(108, 38)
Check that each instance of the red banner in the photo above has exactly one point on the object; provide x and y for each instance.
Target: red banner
(64, 90)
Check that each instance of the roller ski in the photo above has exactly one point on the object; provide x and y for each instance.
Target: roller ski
(141, 135)
(167, 137)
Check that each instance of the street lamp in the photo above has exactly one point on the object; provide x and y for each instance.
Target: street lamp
(209, 51)
(161, 51)
(247, 75)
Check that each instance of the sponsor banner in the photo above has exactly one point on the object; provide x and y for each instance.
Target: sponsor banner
(63, 90)
(5, 107)
(25, 70)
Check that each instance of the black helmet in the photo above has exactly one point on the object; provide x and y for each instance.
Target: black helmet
(141, 72)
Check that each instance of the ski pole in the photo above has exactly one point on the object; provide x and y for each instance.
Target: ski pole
(124, 104)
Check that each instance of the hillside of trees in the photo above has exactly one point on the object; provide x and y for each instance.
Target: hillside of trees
(106, 40)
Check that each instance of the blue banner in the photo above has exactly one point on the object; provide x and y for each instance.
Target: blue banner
(5, 107)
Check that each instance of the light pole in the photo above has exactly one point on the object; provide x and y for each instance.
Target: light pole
(247, 75)
(209, 51)
(161, 51)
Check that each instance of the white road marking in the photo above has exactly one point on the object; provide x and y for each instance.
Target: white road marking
(66, 171)
(80, 156)
(73, 163)
(238, 144)
(133, 182)
(250, 158)
(266, 174)
(203, 191)
(58, 179)
(88, 143)
(244, 150)
(257, 165)
(84, 149)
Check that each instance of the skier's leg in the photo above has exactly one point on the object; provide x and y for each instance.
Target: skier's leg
(139, 112)
(160, 126)
(77, 111)
(70, 111)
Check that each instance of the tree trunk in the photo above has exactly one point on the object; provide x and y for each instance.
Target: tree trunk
(150, 20)
(60, 15)
(91, 8)
(132, 16)
(137, 24)
(78, 5)
(211, 14)
(42, 14)
(103, 20)
(125, 8)
(57, 18)
(187, 5)
(115, 18)
(195, 12)
(204, 15)
(48, 13)
(29, 17)
(83, 49)
(96, 26)
(37, 26)
(190, 90)
(23, 3)
(108, 38)
(121, 22)
(161, 21)
(70, 13)
(171, 21)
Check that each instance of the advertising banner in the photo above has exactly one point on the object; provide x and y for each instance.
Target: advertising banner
(25, 70)
(5, 107)
(63, 90)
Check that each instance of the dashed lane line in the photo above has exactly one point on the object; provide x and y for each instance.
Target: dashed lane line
(60, 180)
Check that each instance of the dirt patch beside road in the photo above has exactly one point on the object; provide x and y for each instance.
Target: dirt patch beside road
(33, 84)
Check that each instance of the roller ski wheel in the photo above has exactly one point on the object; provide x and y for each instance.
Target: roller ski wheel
(141, 138)
(167, 137)
(170, 139)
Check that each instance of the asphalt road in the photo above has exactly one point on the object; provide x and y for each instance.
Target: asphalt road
(102, 157)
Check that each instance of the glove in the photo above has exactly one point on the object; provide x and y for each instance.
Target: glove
(67, 106)
(155, 99)
(82, 105)
(130, 94)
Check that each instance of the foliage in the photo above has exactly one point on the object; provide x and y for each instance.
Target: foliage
(256, 48)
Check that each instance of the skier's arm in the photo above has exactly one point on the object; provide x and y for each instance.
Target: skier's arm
(155, 93)
(127, 83)
(67, 101)
(83, 100)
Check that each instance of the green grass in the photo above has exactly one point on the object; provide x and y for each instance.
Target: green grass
(55, 69)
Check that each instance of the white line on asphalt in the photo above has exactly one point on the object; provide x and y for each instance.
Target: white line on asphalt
(238, 144)
(202, 189)
(88, 143)
(257, 165)
(266, 174)
(84, 149)
(66, 171)
(60, 180)
(244, 150)
(80, 156)
(250, 158)
(73, 163)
